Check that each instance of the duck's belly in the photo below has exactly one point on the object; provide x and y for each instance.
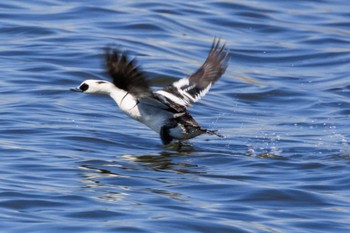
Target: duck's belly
(157, 118)
(155, 122)
(154, 118)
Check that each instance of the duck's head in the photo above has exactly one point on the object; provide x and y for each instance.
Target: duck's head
(94, 87)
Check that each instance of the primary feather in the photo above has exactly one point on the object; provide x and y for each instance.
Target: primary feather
(189, 90)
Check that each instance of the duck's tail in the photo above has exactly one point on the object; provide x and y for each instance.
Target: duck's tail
(214, 132)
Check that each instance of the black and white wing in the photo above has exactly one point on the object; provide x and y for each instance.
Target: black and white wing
(126, 75)
(184, 92)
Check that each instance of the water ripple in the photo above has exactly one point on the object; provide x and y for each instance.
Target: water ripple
(283, 106)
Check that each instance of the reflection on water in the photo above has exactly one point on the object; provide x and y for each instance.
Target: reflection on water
(98, 175)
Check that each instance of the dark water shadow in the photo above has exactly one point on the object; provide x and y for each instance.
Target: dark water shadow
(127, 177)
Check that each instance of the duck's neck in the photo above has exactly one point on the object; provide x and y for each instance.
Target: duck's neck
(124, 100)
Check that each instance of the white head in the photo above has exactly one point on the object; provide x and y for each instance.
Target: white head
(95, 87)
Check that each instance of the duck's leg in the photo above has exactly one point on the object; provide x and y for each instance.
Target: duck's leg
(165, 131)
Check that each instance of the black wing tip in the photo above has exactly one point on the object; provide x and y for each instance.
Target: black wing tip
(219, 49)
(118, 61)
(219, 54)
(115, 56)
(111, 58)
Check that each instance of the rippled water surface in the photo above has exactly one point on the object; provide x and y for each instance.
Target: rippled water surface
(72, 162)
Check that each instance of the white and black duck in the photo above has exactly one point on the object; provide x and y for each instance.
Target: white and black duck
(164, 111)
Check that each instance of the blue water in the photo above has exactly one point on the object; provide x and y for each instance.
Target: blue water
(75, 163)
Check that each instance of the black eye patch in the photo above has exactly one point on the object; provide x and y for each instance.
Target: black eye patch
(84, 87)
(100, 82)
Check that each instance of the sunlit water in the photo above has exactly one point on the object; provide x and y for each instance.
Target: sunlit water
(72, 162)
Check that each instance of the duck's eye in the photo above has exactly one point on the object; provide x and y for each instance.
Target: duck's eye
(84, 87)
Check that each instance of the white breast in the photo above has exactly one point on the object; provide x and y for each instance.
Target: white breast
(127, 103)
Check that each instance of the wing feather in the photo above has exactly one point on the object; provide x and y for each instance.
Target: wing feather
(126, 75)
(189, 90)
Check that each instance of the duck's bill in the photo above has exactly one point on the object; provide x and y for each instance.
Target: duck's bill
(76, 89)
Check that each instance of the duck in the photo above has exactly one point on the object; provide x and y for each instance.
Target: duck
(165, 110)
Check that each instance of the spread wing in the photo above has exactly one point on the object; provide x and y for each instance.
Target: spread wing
(126, 75)
(184, 92)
